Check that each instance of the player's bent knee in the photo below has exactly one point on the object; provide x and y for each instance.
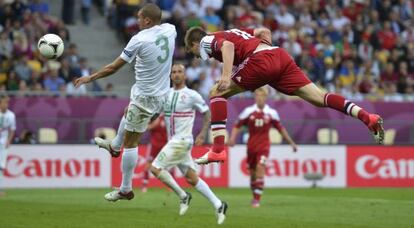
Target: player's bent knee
(155, 171)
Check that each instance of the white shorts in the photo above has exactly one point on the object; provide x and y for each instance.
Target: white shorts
(3, 157)
(177, 152)
(140, 111)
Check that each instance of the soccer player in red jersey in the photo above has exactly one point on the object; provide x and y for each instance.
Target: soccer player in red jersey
(158, 138)
(259, 118)
(257, 63)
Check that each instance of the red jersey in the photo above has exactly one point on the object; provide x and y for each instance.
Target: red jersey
(158, 134)
(243, 39)
(259, 123)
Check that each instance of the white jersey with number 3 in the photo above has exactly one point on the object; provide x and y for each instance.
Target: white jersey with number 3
(153, 49)
(180, 111)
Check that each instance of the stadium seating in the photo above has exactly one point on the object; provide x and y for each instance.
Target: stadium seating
(108, 132)
(47, 135)
(389, 136)
(327, 136)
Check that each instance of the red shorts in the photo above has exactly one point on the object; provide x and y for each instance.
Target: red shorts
(256, 157)
(273, 67)
(154, 150)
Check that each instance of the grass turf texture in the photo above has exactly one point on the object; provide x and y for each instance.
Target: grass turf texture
(158, 208)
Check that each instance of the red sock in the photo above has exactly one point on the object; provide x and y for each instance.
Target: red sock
(257, 188)
(339, 103)
(218, 106)
(145, 178)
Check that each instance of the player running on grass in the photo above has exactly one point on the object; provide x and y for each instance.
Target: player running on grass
(179, 117)
(258, 118)
(257, 63)
(158, 138)
(153, 47)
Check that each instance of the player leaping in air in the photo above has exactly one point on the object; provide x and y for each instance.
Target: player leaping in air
(153, 47)
(257, 63)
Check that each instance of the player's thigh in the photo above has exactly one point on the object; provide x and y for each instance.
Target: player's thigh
(140, 111)
(285, 75)
(187, 166)
(172, 154)
(312, 94)
(231, 91)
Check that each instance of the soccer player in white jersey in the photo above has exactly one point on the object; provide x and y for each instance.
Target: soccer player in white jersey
(7, 129)
(152, 47)
(179, 118)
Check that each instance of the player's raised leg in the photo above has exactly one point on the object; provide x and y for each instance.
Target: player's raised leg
(317, 97)
(218, 107)
(202, 187)
(114, 146)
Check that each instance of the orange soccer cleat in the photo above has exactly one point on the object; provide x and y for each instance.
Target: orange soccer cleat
(210, 156)
(375, 125)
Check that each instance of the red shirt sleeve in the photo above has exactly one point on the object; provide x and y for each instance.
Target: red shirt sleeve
(241, 122)
(216, 44)
(248, 30)
(277, 125)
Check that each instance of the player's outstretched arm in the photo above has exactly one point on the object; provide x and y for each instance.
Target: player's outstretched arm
(287, 137)
(201, 137)
(102, 73)
(263, 34)
(234, 133)
(227, 51)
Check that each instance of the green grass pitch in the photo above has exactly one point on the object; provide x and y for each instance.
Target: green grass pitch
(158, 208)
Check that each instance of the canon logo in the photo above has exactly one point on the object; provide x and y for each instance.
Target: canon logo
(17, 166)
(370, 166)
(296, 168)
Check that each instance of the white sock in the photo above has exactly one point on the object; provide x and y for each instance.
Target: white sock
(167, 179)
(116, 143)
(129, 161)
(1, 180)
(205, 190)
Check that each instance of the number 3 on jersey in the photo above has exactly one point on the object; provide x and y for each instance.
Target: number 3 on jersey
(162, 42)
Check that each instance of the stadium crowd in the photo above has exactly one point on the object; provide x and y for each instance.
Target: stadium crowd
(22, 69)
(363, 49)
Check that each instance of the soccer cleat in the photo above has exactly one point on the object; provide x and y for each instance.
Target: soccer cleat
(185, 203)
(210, 156)
(221, 212)
(106, 144)
(118, 195)
(375, 125)
(255, 203)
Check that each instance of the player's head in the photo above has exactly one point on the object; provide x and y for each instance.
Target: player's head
(178, 75)
(149, 15)
(260, 95)
(192, 40)
(4, 102)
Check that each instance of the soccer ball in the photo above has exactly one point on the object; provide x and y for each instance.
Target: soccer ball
(50, 46)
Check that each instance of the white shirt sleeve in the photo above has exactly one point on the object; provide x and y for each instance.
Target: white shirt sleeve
(274, 114)
(199, 103)
(131, 50)
(205, 47)
(12, 122)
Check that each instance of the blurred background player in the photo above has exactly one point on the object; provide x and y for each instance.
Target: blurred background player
(250, 62)
(158, 138)
(179, 116)
(153, 46)
(258, 119)
(7, 129)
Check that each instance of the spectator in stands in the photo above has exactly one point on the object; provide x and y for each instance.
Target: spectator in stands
(85, 11)
(52, 81)
(38, 6)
